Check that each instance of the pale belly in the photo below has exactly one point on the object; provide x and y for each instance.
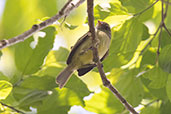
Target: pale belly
(85, 55)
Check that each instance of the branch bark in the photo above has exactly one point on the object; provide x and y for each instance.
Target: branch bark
(68, 7)
(106, 82)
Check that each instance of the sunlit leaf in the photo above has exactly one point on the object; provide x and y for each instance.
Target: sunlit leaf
(104, 102)
(150, 110)
(29, 60)
(165, 59)
(5, 89)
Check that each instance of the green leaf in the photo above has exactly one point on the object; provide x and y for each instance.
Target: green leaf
(57, 56)
(117, 9)
(29, 60)
(81, 91)
(168, 24)
(40, 83)
(150, 110)
(157, 78)
(100, 12)
(135, 6)
(62, 99)
(24, 17)
(165, 107)
(5, 89)
(124, 43)
(168, 87)
(128, 37)
(49, 8)
(166, 39)
(104, 103)
(69, 26)
(165, 59)
(159, 93)
(59, 101)
(148, 58)
(131, 87)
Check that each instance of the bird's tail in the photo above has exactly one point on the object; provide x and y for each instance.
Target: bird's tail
(64, 76)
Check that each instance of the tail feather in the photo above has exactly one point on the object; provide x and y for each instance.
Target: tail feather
(64, 76)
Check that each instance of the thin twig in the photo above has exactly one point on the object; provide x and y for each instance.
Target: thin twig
(167, 30)
(106, 82)
(167, 2)
(68, 7)
(146, 8)
(16, 110)
(161, 28)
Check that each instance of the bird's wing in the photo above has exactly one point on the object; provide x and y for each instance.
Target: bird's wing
(76, 46)
(85, 70)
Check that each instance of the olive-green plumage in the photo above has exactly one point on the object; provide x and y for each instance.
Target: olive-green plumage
(81, 55)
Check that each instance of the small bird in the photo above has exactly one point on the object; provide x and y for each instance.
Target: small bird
(81, 55)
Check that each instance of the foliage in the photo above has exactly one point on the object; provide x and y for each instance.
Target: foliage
(134, 66)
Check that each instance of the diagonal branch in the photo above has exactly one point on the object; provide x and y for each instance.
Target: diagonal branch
(68, 7)
(106, 82)
(14, 109)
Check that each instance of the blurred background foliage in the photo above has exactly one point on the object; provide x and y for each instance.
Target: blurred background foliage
(28, 69)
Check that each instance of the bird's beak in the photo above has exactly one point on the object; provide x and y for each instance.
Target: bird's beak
(99, 23)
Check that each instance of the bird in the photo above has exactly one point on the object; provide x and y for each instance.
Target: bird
(81, 56)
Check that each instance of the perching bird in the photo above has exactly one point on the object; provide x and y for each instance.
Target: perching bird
(81, 55)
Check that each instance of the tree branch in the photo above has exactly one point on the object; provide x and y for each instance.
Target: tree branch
(106, 82)
(68, 7)
(16, 110)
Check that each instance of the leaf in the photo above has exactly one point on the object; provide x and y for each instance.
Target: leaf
(168, 24)
(131, 87)
(159, 93)
(157, 78)
(104, 103)
(23, 13)
(165, 59)
(124, 43)
(128, 37)
(40, 83)
(62, 99)
(49, 8)
(150, 110)
(81, 91)
(5, 89)
(168, 87)
(29, 60)
(69, 26)
(166, 39)
(135, 6)
(165, 107)
(57, 102)
(57, 56)
(117, 9)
